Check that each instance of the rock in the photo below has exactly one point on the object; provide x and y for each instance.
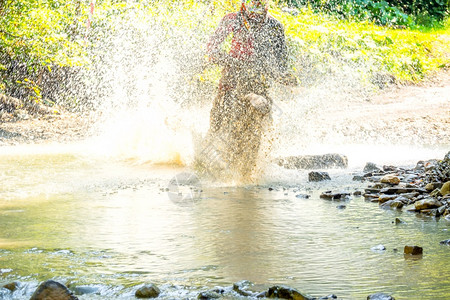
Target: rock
(284, 292)
(357, 193)
(380, 296)
(325, 161)
(445, 242)
(400, 190)
(413, 250)
(399, 221)
(11, 286)
(341, 207)
(52, 290)
(432, 186)
(445, 188)
(241, 288)
(427, 204)
(385, 198)
(208, 295)
(391, 179)
(342, 196)
(318, 176)
(358, 178)
(147, 291)
(436, 193)
(370, 167)
(332, 296)
(378, 248)
(392, 204)
(85, 289)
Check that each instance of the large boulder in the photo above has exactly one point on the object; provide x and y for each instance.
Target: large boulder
(325, 161)
(52, 290)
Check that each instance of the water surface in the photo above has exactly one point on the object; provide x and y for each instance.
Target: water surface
(111, 224)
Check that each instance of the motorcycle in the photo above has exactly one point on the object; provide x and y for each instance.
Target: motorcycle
(240, 119)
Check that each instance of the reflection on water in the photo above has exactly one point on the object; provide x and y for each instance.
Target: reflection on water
(88, 221)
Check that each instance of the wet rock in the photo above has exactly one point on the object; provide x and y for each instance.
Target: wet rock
(339, 196)
(12, 286)
(392, 204)
(370, 167)
(413, 250)
(427, 204)
(391, 179)
(85, 289)
(445, 190)
(147, 291)
(341, 207)
(302, 196)
(285, 292)
(318, 176)
(208, 295)
(241, 288)
(445, 242)
(331, 296)
(402, 190)
(385, 198)
(380, 296)
(357, 193)
(325, 161)
(358, 178)
(52, 290)
(371, 197)
(399, 221)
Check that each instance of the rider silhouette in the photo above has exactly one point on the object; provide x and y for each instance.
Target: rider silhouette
(258, 53)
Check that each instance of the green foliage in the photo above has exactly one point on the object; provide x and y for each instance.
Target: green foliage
(37, 35)
(330, 43)
(383, 12)
(43, 37)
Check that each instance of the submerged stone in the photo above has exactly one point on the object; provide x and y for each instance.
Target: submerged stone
(329, 195)
(445, 242)
(399, 221)
(52, 290)
(380, 296)
(413, 250)
(148, 291)
(11, 286)
(378, 248)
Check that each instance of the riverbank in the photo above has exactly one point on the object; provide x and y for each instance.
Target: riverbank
(400, 114)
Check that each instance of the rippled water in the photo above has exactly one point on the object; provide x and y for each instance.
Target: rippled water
(110, 224)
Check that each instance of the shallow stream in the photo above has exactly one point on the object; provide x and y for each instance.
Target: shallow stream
(105, 226)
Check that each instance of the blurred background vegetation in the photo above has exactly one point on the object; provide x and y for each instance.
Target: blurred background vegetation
(49, 47)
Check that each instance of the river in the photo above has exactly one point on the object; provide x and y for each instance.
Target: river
(107, 225)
